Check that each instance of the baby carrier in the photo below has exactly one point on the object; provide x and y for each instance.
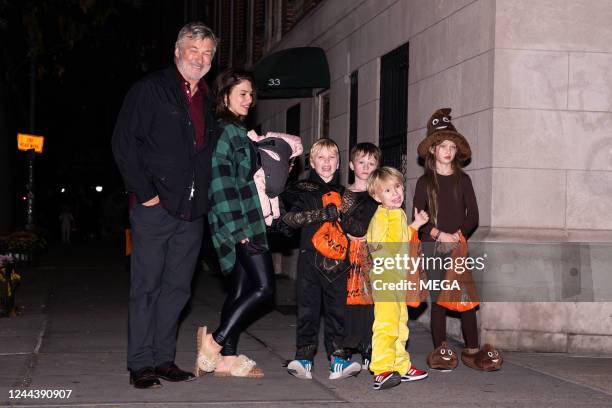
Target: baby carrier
(274, 151)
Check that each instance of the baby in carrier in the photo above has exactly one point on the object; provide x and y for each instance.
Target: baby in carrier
(274, 151)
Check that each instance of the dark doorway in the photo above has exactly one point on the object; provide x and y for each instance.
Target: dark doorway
(292, 125)
(394, 107)
(353, 111)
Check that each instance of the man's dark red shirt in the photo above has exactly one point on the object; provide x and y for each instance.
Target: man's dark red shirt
(196, 107)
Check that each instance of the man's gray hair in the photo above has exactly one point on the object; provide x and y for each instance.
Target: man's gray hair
(196, 30)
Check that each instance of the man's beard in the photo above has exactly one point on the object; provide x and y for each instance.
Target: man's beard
(187, 71)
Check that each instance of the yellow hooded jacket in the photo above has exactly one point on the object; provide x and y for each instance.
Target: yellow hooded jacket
(389, 235)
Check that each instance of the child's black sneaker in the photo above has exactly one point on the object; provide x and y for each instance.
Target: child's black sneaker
(366, 356)
(386, 380)
(365, 363)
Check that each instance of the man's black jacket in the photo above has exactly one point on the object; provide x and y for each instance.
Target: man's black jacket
(154, 145)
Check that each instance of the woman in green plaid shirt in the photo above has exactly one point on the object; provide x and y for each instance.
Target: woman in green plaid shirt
(238, 232)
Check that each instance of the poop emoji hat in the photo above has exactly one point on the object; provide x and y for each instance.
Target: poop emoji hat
(439, 129)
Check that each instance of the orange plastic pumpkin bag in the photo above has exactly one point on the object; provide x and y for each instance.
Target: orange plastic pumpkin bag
(358, 286)
(465, 298)
(415, 296)
(330, 240)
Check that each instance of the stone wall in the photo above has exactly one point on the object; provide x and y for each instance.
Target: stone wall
(531, 89)
(551, 166)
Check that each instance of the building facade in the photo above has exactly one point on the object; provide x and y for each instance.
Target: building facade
(530, 88)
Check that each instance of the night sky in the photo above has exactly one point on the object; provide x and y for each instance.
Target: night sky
(87, 54)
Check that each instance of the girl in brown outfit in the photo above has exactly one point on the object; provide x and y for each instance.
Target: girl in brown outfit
(445, 192)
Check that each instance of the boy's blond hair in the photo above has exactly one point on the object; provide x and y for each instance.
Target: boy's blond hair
(382, 175)
(321, 144)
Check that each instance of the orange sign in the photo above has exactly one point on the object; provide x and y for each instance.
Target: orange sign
(27, 142)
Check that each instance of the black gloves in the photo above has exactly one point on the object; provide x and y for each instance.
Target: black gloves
(303, 218)
(281, 228)
(331, 213)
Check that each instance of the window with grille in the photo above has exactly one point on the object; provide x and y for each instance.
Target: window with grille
(393, 121)
(353, 114)
(239, 33)
(259, 28)
(323, 122)
(295, 10)
(292, 126)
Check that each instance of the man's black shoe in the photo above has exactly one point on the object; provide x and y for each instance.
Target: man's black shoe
(170, 372)
(144, 378)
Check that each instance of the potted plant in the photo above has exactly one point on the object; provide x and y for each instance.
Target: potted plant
(25, 246)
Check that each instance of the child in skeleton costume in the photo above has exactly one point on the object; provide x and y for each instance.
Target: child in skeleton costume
(446, 193)
(358, 208)
(389, 235)
(274, 153)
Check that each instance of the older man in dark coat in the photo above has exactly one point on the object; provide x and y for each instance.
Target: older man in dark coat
(162, 144)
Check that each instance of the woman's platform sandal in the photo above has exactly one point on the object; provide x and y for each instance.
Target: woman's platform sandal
(242, 367)
(207, 359)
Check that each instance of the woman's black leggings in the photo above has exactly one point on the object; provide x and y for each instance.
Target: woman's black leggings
(251, 290)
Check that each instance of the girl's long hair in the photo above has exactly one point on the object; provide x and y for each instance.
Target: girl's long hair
(431, 181)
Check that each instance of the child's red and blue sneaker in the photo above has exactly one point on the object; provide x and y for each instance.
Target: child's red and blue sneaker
(386, 380)
(414, 374)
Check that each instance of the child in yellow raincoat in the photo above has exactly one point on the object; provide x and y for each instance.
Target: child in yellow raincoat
(389, 235)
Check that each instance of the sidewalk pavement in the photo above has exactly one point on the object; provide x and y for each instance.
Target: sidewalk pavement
(71, 335)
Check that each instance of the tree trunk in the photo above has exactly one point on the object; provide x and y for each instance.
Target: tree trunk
(7, 145)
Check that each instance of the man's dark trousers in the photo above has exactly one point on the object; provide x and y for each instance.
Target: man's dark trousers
(164, 253)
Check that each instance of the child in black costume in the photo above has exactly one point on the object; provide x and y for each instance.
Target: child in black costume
(317, 282)
(358, 207)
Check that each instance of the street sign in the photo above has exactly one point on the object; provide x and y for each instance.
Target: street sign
(27, 142)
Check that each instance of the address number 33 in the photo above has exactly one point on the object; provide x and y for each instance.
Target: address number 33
(274, 82)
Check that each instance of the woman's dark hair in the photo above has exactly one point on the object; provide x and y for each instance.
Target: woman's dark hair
(224, 83)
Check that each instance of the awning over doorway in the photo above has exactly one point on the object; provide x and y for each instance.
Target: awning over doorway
(292, 73)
